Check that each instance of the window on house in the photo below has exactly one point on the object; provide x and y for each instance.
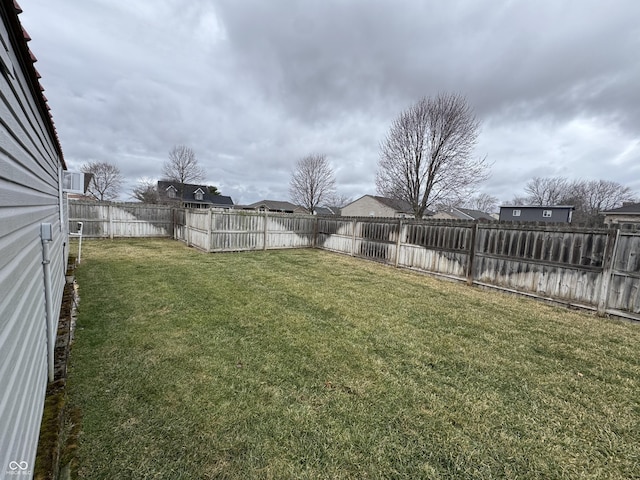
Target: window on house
(516, 213)
(546, 213)
(171, 193)
(199, 196)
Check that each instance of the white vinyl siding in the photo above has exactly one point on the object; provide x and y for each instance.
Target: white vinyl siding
(29, 195)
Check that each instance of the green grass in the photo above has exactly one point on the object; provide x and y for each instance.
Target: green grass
(307, 364)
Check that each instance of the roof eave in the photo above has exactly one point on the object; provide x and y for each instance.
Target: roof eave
(19, 38)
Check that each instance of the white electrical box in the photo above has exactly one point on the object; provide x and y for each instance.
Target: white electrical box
(46, 232)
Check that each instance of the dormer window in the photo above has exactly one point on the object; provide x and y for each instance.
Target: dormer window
(198, 195)
(171, 191)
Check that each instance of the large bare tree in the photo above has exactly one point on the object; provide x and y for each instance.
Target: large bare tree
(182, 166)
(312, 182)
(426, 158)
(106, 181)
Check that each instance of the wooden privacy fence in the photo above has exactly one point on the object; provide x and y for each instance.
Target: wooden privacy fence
(223, 231)
(112, 220)
(593, 268)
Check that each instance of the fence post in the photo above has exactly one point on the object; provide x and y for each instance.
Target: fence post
(608, 261)
(398, 242)
(353, 237)
(187, 227)
(266, 223)
(314, 240)
(472, 253)
(110, 218)
(209, 222)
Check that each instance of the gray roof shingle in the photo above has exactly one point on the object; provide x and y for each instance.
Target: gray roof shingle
(629, 208)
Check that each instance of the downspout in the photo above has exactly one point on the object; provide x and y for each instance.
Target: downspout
(46, 235)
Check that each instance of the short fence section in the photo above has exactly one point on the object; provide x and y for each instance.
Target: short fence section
(597, 268)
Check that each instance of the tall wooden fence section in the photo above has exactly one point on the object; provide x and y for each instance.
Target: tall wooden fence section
(594, 268)
(113, 220)
(227, 231)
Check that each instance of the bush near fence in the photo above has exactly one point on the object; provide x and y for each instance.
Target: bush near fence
(597, 268)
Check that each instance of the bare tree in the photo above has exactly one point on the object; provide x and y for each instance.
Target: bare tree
(546, 191)
(182, 166)
(106, 181)
(591, 197)
(146, 191)
(312, 182)
(483, 202)
(338, 200)
(518, 201)
(426, 157)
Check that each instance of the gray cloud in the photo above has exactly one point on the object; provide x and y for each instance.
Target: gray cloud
(252, 86)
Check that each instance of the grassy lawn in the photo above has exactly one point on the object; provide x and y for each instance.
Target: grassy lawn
(307, 364)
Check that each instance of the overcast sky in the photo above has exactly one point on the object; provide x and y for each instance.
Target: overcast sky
(254, 85)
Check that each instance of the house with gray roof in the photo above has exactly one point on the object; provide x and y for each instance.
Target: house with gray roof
(537, 213)
(191, 196)
(628, 213)
(334, 211)
(455, 213)
(275, 206)
(376, 206)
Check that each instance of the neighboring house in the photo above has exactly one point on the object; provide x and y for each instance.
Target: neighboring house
(335, 211)
(627, 213)
(454, 213)
(191, 196)
(275, 206)
(33, 246)
(374, 206)
(536, 213)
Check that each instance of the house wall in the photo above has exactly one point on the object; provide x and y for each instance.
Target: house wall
(30, 168)
(529, 214)
(622, 218)
(367, 207)
(444, 216)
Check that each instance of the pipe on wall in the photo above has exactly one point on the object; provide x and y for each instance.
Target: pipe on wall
(46, 234)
